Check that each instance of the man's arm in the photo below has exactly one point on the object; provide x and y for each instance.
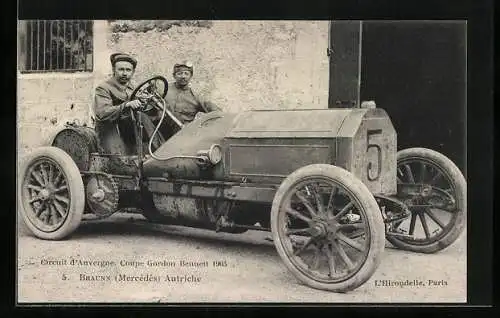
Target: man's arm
(205, 105)
(103, 106)
(210, 107)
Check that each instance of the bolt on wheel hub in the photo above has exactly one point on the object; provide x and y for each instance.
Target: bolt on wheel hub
(98, 195)
(318, 230)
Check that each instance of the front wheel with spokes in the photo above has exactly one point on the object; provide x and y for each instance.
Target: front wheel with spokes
(327, 228)
(434, 190)
(50, 193)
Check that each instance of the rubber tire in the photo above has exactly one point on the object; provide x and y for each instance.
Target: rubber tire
(458, 180)
(365, 200)
(75, 184)
(155, 217)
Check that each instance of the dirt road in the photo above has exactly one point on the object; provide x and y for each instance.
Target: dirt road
(216, 268)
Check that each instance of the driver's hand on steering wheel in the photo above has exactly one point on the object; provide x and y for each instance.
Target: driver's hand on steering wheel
(134, 104)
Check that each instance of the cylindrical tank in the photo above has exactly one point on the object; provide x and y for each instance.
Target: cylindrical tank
(78, 141)
(206, 213)
(191, 209)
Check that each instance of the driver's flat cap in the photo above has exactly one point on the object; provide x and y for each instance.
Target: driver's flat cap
(116, 57)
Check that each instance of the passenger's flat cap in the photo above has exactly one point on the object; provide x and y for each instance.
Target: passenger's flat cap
(186, 64)
(116, 57)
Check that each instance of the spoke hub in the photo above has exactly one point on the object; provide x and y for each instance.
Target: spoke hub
(45, 194)
(318, 230)
(98, 195)
(324, 229)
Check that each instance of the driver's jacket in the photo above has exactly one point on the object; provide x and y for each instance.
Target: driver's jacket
(113, 125)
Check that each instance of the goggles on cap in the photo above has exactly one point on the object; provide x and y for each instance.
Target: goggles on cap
(186, 64)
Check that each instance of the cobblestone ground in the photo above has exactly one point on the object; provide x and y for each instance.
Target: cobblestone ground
(249, 270)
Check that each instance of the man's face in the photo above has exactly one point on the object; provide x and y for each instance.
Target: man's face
(182, 76)
(123, 71)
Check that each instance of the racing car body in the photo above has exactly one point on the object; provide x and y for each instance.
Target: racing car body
(328, 183)
(265, 146)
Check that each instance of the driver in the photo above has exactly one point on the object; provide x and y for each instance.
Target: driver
(181, 99)
(112, 105)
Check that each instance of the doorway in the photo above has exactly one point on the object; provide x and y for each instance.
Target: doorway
(416, 71)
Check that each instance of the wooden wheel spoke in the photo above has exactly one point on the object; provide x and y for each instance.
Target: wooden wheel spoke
(356, 234)
(43, 214)
(45, 176)
(34, 199)
(40, 209)
(297, 214)
(316, 259)
(449, 208)
(344, 210)
(59, 208)
(57, 178)
(51, 173)
(297, 231)
(423, 172)
(352, 226)
(46, 210)
(331, 260)
(306, 203)
(319, 200)
(424, 225)
(50, 215)
(409, 173)
(329, 206)
(303, 247)
(344, 255)
(411, 230)
(352, 243)
(34, 187)
(452, 209)
(61, 198)
(436, 177)
(61, 188)
(434, 218)
(38, 178)
(400, 172)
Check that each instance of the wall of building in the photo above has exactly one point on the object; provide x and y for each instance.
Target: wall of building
(238, 65)
(46, 101)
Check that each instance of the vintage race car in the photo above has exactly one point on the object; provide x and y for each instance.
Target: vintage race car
(329, 184)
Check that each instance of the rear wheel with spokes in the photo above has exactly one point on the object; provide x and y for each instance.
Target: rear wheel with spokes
(327, 228)
(438, 210)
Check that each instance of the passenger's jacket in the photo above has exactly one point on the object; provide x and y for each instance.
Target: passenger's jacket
(185, 103)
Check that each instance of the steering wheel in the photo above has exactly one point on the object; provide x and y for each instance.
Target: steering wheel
(149, 92)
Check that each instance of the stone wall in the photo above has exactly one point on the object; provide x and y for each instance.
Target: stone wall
(238, 64)
(46, 101)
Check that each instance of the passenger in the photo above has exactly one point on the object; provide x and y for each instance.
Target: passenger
(112, 105)
(181, 99)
